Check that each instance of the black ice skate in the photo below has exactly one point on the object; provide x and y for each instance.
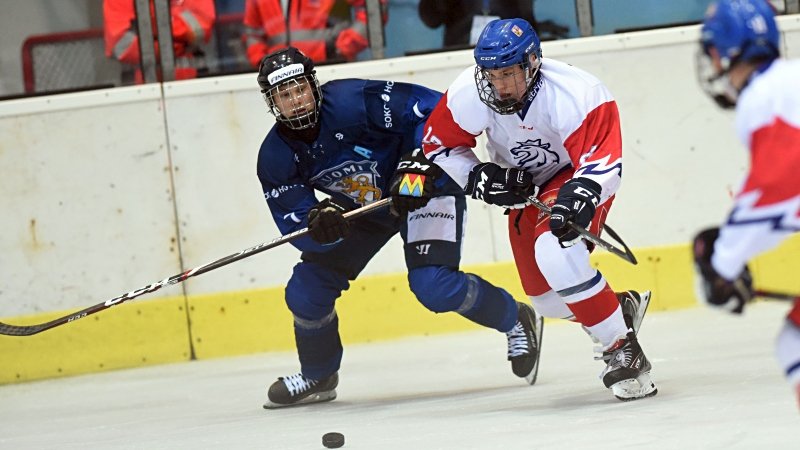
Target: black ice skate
(298, 390)
(634, 306)
(627, 372)
(524, 341)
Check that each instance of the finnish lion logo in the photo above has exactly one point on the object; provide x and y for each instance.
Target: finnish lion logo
(355, 179)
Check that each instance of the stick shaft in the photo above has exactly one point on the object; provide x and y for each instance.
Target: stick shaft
(27, 330)
(625, 254)
(775, 295)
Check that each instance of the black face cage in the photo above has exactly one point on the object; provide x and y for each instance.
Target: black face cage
(715, 85)
(489, 95)
(306, 110)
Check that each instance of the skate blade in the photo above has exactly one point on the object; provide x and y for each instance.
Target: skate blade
(319, 397)
(634, 388)
(641, 311)
(531, 377)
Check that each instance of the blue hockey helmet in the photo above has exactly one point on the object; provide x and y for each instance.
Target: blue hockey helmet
(291, 73)
(506, 43)
(738, 31)
(741, 30)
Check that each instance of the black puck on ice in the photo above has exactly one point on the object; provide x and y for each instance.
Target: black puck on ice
(333, 440)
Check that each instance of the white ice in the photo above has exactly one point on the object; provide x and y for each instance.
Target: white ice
(719, 388)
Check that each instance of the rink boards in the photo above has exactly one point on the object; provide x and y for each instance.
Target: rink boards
(107, 191)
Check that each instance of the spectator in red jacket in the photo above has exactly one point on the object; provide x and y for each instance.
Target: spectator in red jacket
(192, 21)
(307, 25)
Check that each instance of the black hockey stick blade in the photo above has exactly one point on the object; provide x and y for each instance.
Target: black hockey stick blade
(27, 330)
(624, 253)
(629, 256)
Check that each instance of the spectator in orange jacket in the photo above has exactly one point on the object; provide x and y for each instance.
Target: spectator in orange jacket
(192, 21)
(307, 26)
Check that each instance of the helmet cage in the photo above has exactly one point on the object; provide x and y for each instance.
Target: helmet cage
(737, 31)
(303, 110)
(488, 92)
(716, 85)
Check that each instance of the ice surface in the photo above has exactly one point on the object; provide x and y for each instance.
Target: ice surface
(719, 388)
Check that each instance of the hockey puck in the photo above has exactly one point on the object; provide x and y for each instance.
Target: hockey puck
(333, 440)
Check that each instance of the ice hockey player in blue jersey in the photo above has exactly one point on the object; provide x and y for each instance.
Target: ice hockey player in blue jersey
(354, 140)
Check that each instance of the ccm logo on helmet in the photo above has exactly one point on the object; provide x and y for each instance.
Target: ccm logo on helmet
(285, 72)
(488, 58)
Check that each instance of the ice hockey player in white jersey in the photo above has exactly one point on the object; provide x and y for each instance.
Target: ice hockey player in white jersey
(553, 131)
(739, 66)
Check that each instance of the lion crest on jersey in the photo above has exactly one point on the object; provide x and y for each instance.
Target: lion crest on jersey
(355, 179)
(534, 153)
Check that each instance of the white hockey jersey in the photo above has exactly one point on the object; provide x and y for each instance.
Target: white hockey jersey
(767, 207)
(569, 122)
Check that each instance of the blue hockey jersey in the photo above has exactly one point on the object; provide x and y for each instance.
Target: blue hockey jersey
(365, 126)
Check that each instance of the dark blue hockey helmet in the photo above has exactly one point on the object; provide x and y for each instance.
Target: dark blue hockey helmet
(738, 31)
(506, 44)
(290, 87)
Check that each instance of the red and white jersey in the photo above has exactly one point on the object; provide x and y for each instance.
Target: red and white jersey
(767, 207)
(571, 122)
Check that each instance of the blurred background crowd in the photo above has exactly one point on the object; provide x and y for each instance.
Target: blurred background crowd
(51, 47)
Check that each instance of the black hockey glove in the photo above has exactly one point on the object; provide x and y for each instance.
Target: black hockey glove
(413, 184)
(326, 222)
(495, 185)
(712, 288)
(576, 202)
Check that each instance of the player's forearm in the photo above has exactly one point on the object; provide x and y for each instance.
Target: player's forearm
(739, 243)
(456, 162)
(606, 172)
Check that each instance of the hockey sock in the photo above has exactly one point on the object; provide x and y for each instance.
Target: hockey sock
(601, 314)
(319, 349)
(443, 289)
(493, 306)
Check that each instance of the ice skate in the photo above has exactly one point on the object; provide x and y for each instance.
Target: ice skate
(524, 341)
(634, 306)
(627, 372)
(298, 390)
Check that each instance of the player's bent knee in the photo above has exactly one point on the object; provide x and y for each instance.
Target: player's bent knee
(562, 267)
(312, 291)
(438, 288)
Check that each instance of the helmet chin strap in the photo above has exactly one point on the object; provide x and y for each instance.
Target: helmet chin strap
(531, 77)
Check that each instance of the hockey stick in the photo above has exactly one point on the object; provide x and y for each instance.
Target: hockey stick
(27, 330)
(625, 254)
(772, 295)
